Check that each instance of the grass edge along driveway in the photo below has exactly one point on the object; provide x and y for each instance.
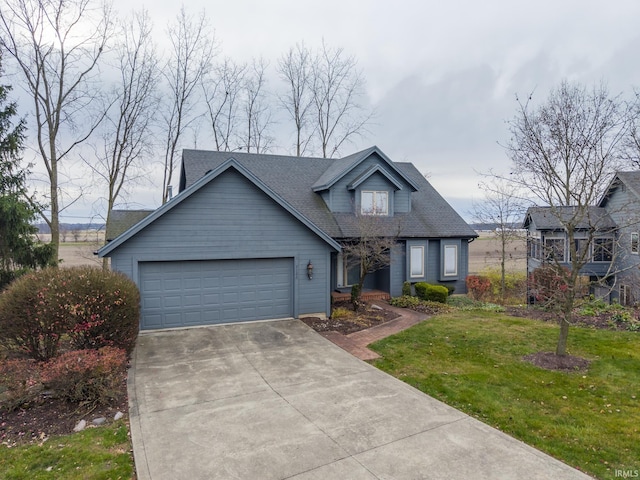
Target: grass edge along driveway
(99, 453)
(472, 360)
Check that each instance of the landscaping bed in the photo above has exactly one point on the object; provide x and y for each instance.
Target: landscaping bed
(345, 321)
(38, 420)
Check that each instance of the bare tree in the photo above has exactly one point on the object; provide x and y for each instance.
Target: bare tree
(337, 88)
(296, 68)
(631, 144)
(563, 153)
(370, 251)
(57, 47)
(191, 54)
(127, 134)
(503, 208)
(257, 117)
(221, 94)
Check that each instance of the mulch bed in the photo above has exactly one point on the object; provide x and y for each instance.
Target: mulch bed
(36, 422)
(369, 316)
(551, 361)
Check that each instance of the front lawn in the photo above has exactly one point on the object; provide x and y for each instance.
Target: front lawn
(473, 361)
(96, 453)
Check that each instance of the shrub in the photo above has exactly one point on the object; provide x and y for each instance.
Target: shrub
(434, 293)
(478, 286)
(94, 307)
(515, 284)
(340, 312)
(28, 319)
(406, 289)
(19, 382)
(405, 301)
(548, 286)
(87, 376)
(104, 308)
(450, 288)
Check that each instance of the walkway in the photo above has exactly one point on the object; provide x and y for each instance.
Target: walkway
(356, 343)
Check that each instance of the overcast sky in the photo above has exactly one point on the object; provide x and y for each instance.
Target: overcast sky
(442, 76)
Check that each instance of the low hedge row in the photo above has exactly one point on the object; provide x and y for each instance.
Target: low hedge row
(91, 307)
(79, 376)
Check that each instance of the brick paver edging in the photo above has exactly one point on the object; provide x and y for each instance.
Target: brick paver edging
(356, 343)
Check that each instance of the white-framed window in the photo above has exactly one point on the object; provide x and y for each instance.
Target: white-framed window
(450, 260)
(416, 261)
(534, 247)
(348, 271)
(603, 249)
(634, 243)
(374, 202)
(582, 248)
(554, 249)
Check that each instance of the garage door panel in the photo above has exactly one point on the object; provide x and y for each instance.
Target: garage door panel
(216, 291)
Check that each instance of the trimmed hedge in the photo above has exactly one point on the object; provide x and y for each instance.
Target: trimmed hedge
(93, 307)
(433, 293)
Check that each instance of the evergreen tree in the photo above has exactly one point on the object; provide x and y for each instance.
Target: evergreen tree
(18, 249)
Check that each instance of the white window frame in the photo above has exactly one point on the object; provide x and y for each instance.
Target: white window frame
(413, 259)
(446, 270)
(597, 244)
(343, 271)
(550, 249)
(376, 196)
(635, 243)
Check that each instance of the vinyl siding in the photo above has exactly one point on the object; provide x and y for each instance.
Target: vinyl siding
(231, 218)
(343, 199)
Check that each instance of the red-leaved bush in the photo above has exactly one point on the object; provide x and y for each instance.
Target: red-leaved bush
(478, 286)
(87, 376)
(93, 307)
(19, 382)
(547, 284)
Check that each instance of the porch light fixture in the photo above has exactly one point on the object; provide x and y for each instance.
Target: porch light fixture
(310, 270)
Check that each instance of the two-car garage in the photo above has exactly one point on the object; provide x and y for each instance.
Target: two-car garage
(225, 250)
(207, 292)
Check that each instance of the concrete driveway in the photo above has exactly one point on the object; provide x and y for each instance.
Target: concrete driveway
(275, 400)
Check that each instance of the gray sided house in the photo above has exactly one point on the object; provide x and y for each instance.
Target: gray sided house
(622, 201)
(609, 232)
(253, 237)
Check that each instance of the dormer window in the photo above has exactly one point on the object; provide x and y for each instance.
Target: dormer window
(374, 202)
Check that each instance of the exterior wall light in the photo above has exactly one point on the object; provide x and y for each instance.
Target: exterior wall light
(310, 270)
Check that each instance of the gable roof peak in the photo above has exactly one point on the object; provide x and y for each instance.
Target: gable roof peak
(342, 166)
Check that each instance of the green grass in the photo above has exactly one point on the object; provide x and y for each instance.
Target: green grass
(96, 453)
(472, 360)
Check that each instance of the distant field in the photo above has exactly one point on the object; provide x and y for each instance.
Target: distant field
(75, 254)
(485, 251)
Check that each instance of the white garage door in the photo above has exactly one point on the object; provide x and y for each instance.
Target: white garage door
(180, 294)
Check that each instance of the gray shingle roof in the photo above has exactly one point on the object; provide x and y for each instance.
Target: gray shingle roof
(121, 220)
(630, 179)
(555, 218)
(293, 179)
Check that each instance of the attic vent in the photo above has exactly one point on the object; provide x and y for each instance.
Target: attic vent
(208, 172)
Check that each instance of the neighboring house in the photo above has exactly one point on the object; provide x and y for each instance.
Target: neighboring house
(609, 232)
(622, 201)
(253, 237)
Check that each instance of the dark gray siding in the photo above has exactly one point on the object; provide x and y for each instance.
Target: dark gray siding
(342, 199)
(397, 273)
(230, 218)
(622, 206)
(435, 267)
